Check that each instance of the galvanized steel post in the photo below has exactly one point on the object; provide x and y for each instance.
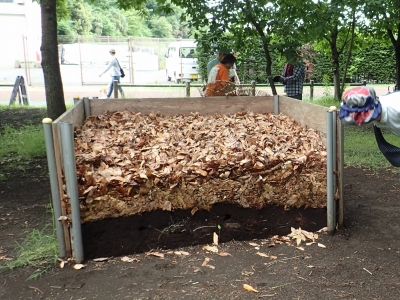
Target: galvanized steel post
(187, 88)
(86, 107)
(311, 89)
(330, 144)
(68, 151)
(253, 88)
(115, 88)
(276, 104)
(55, 194)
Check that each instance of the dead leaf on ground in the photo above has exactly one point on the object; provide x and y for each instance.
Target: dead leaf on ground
(156, 254)
(100, 259)
(249, 288)
(224, 254)
(213, 249)
(79, 266)
(215, 239)
(262, 254)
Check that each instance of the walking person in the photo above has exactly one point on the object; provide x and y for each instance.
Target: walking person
(115, 73)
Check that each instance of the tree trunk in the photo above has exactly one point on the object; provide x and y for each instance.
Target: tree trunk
(268, 68)
(265, 41)
(50, 65)
(349, 54)
(335, 64)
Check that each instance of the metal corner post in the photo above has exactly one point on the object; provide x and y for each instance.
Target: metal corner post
(276, 104)
(86, 107)
(188, 88)
(68, 151)
(115, 88)
(55, 194)
(330, 143)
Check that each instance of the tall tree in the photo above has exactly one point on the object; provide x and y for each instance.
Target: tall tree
(50, 64)
(384, 17)
(335, 34)
(245, 20)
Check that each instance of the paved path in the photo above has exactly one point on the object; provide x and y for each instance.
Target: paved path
(37, 97)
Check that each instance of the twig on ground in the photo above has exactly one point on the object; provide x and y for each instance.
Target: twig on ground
(203, 227)
(367, 271)
(279, 286)
(36, 289)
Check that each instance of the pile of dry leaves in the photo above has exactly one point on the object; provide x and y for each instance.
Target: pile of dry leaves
(129, 163)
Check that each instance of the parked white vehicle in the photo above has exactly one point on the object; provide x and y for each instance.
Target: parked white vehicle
(181, 63)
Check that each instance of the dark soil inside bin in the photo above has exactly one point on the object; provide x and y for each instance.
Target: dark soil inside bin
(171, 230)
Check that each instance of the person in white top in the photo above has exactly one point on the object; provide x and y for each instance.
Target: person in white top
(115, 74)
(361, 106)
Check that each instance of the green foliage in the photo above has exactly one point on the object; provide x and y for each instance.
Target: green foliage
(375, 63)
(361, 150)
(23, 143)
(137, 25)
(81, 16)
(107, 18)
(160, 27)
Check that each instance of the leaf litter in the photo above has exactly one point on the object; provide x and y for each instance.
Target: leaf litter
(129, 163)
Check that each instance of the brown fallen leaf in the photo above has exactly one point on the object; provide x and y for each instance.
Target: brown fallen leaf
(249, 288)
(100, 259)
(213, 249)
(205, 262)
(79, 266)
(156, 254)
(129, 259)
(224, 254)
(262, 254)
(215, 239)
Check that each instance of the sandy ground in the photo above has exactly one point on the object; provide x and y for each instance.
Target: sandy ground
(36, 94)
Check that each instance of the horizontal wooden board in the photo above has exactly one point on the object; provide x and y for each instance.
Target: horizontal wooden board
(307, 114)
(174, 106)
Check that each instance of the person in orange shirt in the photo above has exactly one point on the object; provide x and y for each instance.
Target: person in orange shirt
(218, 80)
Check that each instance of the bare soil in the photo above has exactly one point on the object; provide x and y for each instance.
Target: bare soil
(361, 261)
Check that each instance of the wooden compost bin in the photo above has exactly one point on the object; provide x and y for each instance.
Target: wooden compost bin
(323, 120)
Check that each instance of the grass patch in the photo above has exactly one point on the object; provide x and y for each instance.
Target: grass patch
(39, 250)
(23, 143)
(361, 149)
(18, 146)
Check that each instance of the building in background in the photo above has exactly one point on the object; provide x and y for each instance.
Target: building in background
(20, 33)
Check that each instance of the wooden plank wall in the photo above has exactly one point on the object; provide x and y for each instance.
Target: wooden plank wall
(173, 106)
(74, 115)
(307, 114)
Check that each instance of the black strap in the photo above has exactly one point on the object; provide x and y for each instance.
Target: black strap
(391, 152)
(118, 62)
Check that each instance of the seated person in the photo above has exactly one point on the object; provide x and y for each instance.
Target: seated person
(219, 83)
(190, 54)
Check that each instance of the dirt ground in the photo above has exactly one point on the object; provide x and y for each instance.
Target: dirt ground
(361, 261)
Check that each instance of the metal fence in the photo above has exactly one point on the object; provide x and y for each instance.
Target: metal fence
(83, 58)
